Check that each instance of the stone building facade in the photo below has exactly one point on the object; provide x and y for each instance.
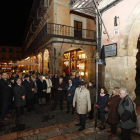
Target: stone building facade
(120, 71)
(52, 33)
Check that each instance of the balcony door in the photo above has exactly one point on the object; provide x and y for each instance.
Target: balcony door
(77, 29)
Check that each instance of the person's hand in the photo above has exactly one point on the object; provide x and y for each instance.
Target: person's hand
(73, 106)
(69, 94)
(44, 90)
(120, 121)
(89, 110)
(68, 88)
(23, 97)
(50, 86)
(9, 85)
(60, 88)
(33, 89)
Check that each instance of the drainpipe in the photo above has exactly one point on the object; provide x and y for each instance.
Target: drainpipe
(51, 57)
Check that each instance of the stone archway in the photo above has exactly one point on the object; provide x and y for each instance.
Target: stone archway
(91, 60)
(128, 48)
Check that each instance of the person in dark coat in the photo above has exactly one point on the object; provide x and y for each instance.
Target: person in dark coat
(127, 114)
(76, 80)
(65, 78)
(12, 83)
(6, 91)
(113, 103)
(101, 104)
(19, 98)
(42, 87)
(23, 77)
(59, 94)
(29, 87)
(55, 80)
(92, 91)
(70, 90)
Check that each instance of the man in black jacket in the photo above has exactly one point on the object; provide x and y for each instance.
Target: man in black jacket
(42, 87)
(55, 79)
(59, 94)
(5, 90)
(19, 98)
(29, 87)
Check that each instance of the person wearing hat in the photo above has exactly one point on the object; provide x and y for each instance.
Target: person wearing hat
(82, 98)
(92, 91)
(29, 87)
(49, 85)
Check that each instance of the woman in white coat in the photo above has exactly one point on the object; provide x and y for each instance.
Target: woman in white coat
(49, 85)
(82, 98)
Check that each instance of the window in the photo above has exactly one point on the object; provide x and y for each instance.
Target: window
(11, 57)
(18, 57)
(17, 51)
(77, 29)
(3, 50)
(10, 50)
(3, 57)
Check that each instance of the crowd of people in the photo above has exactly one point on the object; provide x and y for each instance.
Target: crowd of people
(18, 92)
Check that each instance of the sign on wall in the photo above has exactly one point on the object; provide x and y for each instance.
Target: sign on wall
(110, 50)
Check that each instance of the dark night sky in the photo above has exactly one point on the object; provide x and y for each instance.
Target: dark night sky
(14, 15)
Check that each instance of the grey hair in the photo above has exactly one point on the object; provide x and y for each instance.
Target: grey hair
(124, 90)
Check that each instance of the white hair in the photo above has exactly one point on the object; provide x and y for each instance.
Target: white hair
(124, 91)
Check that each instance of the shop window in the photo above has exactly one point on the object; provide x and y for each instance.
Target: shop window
(75, 61)
(3, 50)
(10, 50)
(77, 29)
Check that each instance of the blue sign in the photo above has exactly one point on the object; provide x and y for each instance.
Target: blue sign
(100, 62)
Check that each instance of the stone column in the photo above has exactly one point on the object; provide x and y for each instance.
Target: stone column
(58, 65)
(91, 69)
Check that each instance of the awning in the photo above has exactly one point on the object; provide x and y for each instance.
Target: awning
(24, 63)
(84, 6)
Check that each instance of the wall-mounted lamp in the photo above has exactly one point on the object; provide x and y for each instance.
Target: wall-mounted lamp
(116, 21)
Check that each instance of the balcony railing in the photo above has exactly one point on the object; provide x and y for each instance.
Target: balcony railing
(61, 31)
(68, 31)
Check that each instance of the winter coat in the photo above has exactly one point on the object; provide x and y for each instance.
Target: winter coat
(49, 84)
(102, 102)
(75, 81)
(41, 86)
(28, 85)
(59, 94)
(83, 100)
(92, 92)
(113, 103)
(19, 91)
(55, 80)
(71, 91)
(65, 79)
(5, 90)
(127, 113)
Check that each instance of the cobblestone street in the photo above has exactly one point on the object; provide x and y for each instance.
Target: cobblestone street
(52, 125)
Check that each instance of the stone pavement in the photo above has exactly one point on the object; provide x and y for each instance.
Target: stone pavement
(44, 124)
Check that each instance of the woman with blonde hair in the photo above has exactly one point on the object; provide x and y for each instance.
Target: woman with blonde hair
(113, 103)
